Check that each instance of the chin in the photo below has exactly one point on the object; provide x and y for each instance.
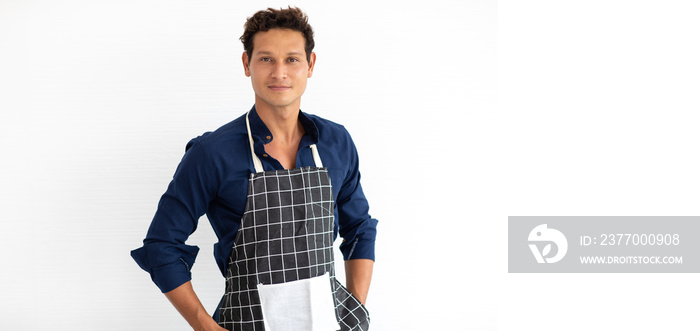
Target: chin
(279, 103)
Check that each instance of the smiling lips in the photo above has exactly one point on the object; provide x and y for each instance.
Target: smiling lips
(278, 88)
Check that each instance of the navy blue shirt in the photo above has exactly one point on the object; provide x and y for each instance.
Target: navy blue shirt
(212, 178)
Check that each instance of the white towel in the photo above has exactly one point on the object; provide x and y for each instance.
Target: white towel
(303, 305)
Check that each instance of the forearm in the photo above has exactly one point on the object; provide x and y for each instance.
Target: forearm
(358, 274)
(187, 303)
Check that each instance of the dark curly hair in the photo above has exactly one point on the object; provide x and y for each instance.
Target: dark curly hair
(290, 18)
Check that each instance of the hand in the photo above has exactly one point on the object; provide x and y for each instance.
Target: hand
(211, 327)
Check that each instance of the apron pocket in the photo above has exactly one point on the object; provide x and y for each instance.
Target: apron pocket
(304, 305)
(352, 313)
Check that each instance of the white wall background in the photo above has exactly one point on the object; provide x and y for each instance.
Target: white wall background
(596, 115)
(599, 107)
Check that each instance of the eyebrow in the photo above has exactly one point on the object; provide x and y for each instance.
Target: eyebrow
(270, 53)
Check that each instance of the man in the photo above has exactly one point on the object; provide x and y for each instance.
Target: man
(278, 186)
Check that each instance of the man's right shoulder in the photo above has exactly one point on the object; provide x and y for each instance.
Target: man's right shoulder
(227, 138)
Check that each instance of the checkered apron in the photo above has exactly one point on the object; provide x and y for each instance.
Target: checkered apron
(286, 234)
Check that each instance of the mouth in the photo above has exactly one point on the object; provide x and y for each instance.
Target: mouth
(278, 88)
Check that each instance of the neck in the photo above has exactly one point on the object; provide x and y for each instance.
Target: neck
(283, 123)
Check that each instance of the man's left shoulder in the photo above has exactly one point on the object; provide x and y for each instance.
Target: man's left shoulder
(326, 126)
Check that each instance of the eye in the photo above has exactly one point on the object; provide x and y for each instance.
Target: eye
(293, 59)
(265, 59)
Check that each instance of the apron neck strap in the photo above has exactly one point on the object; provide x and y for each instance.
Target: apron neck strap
(317, 158)
(256, 160)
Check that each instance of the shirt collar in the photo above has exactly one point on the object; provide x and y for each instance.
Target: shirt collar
(259, 130)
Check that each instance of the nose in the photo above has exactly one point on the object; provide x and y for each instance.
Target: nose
(280, 70)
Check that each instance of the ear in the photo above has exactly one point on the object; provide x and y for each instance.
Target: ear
(246, 65)
(312, 62)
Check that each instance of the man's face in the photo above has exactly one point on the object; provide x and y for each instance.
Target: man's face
(278, 68)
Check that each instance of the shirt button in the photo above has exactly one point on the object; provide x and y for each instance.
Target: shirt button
(268, 137)
(265, 155)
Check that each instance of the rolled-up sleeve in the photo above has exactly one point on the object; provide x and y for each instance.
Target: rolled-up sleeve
(164, 253)
(357, 228)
